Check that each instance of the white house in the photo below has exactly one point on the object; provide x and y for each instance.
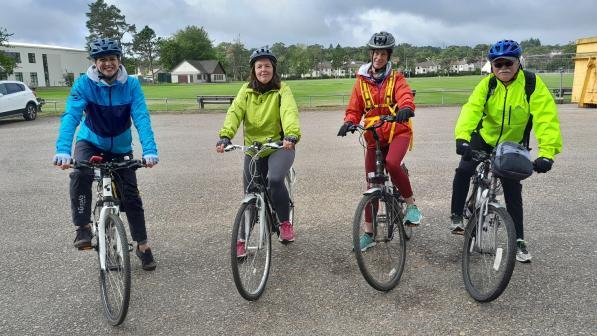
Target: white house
(461, 66)
(45, 65)
(426, 67)
(189, 71)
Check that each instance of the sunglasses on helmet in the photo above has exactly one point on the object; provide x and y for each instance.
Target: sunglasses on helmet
(507, 63)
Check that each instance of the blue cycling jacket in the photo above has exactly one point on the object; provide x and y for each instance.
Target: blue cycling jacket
(108, 111)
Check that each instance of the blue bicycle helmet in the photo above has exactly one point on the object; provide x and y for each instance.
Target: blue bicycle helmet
(262, 52)
(504, 48)
(104, 47)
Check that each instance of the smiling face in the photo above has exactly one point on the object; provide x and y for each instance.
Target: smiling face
(108, 65)
(379, 58)
(505, 68)
(264, 70)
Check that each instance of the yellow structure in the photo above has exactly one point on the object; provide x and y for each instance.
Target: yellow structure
(584, 89)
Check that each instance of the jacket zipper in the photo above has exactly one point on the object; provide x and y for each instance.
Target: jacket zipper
(110, 101)
(509, 115)
(503, 117)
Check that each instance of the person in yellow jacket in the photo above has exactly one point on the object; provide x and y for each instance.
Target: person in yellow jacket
(268, 111)
(494, 115)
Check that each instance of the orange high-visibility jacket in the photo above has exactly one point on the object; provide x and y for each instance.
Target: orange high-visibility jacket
(357, 106)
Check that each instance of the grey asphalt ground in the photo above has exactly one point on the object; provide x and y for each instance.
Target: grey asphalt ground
(315, 287)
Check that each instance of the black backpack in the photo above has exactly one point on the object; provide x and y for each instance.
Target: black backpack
(529, 88)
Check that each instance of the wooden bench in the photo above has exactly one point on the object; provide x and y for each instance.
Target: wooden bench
(559, 96)
(202, 100)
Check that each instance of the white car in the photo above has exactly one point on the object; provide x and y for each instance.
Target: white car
(16, 98)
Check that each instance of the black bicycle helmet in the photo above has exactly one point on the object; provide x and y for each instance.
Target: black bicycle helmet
(382, 40)
(262, 52)
(104, 47)
(504, 48)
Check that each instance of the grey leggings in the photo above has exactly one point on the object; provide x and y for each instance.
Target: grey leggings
(275, 167)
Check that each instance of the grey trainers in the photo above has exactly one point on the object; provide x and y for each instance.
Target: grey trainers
(522, 254)
(457, 226)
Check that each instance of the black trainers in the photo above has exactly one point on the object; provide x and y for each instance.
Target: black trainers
(147, 261)
(83, 238)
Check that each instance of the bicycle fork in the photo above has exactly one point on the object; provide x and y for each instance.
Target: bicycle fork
(101, 224)
(261, 222)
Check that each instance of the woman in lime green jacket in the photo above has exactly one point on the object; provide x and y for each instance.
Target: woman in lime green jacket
(268, 111)
(501, 112)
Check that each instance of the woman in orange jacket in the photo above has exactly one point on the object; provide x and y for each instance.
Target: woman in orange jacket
(379, 90)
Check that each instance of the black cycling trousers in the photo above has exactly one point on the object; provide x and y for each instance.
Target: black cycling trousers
(81, 181)
(512, 194)
(275, 167)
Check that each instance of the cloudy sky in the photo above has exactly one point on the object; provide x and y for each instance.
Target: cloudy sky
(348, 22)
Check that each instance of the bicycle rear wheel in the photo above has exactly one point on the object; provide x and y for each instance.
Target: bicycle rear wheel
(381, 263)
(115, 280)
(250, 272)
(489, 254)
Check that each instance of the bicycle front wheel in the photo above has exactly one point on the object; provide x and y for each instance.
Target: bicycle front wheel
(115, 280)
(489, 254)
(250, 250)
(382, 257)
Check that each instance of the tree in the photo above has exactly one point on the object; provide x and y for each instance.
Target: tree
(191, 43)
(281, 52)
(106, 22)
(7, 63)
(145, 44)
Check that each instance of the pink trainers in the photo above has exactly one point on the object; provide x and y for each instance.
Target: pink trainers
(286, 232)
(240, 249)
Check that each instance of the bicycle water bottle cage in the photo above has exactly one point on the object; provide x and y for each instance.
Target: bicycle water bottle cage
(96, 159)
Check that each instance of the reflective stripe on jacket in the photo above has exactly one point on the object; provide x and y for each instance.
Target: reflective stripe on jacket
(356, 109)
(506, 114)
(270, 115)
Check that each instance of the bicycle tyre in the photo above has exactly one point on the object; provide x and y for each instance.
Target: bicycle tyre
(486, 270)
(381, 265)
(115, 281)
(250, 273)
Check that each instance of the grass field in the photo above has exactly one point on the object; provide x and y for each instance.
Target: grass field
(308, 93)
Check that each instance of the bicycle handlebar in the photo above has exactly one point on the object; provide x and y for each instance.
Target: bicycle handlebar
(382, 120)
(112, 165)
(256, 146)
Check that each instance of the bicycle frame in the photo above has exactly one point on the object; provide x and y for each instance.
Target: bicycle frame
(109, 205)
(485, 190)
(261, 196)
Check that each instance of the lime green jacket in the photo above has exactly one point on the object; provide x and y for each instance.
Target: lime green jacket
(273, 114)
(505, 116)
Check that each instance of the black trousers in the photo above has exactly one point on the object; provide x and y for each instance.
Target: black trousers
(512, 194)
(81, 181)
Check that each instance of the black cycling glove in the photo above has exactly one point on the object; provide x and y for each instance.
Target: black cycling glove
(542, 164)
(346, 127)
(463, 148)
(404, 114)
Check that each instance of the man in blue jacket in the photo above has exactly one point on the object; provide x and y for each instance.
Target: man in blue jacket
(105, 102)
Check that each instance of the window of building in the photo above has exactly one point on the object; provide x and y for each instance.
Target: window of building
(218, 77)
(34, 79)
(31, 58)
(14, 55)
(19, 76)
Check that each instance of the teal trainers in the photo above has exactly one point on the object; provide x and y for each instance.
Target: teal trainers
(413, 216)
(522, 254)
(366, 242)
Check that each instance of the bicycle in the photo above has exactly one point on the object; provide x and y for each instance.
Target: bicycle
(489, 251)
(254, 223)
(382, 210)
(111, 242)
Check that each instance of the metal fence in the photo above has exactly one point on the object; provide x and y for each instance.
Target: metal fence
(422, 97)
